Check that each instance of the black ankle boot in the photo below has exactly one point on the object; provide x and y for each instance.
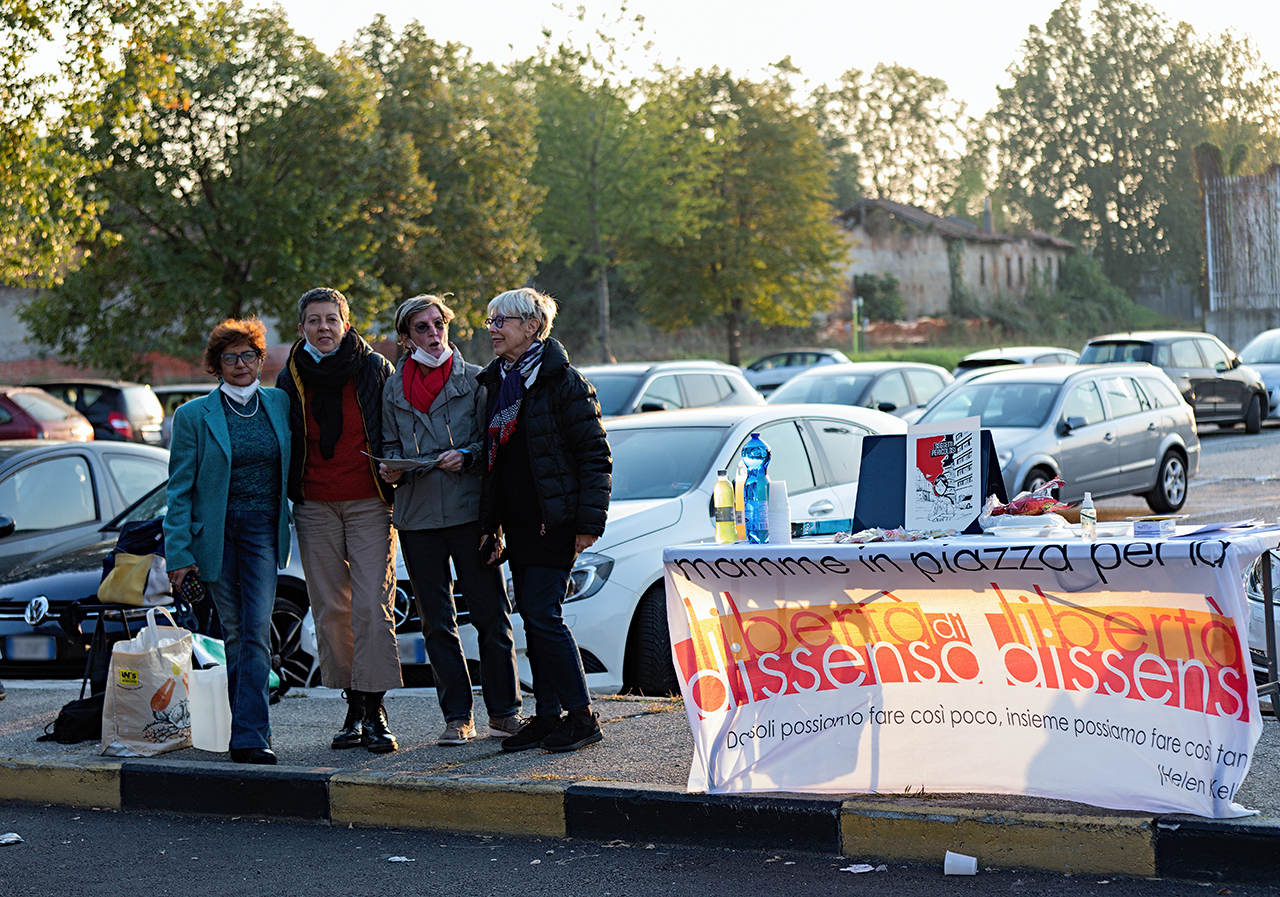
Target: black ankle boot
(352, 732)
(377, 733)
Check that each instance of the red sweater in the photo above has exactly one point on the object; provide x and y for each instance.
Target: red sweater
(348, 475)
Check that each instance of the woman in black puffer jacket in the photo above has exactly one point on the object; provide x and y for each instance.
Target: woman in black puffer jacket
(545, 492)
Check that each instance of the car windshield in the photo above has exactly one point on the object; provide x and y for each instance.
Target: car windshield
(998, 404)
(1263, 350)
(613, 390)
(1109, 353)
(661, 462)
(152, 505)
(838, 389)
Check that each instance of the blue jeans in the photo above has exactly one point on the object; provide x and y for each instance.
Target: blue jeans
(558, 680)
(244, 595)
(426, 556)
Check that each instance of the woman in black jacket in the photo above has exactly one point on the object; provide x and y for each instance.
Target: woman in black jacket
(545, 492)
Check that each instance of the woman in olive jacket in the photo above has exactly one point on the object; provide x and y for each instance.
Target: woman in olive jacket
(548, 472)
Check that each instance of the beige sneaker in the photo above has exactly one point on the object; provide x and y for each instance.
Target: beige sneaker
(457, 732)
(504, 726)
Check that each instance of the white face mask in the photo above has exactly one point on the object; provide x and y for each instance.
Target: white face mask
(240, 394)
(421, 357)
(316, 353)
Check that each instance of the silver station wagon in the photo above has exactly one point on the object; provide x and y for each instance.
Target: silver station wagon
(1106, 429)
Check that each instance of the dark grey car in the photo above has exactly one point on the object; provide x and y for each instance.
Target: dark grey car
(1211, 377)
(118, 410)
(53, 492)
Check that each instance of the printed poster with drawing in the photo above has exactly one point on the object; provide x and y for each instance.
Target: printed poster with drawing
(943, 474)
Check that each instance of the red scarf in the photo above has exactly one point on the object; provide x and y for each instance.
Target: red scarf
(421, 390)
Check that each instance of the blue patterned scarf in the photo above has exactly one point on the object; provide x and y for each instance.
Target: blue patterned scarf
(516, 378)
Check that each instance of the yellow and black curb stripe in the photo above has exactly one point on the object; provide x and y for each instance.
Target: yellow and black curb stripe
(867, 829)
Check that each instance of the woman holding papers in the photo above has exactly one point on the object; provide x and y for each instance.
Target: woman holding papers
(433, 411)
(342, 509)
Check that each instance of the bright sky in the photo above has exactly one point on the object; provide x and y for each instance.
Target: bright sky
(969, 45)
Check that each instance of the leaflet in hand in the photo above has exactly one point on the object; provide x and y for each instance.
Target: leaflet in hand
(404, 463)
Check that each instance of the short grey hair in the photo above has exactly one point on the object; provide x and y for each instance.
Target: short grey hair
(411, 308)
(324, 294)
(526, 303)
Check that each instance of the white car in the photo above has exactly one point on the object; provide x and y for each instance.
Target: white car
(664, 468)
(768, 373)
(1263, 355)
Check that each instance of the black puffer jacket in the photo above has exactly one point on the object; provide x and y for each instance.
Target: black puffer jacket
(569, 451)
(370, 378)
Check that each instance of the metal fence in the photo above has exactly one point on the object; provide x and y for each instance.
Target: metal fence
(1242, 233)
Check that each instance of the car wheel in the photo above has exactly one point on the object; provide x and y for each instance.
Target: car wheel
(1036, 479)
(1170, 492)
(649, 670)
(294, 664)
(1253, 417)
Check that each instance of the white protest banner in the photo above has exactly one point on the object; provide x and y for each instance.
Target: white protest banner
(1113, 673)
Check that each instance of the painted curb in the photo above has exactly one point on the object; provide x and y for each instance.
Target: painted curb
(78, 784)
(796, 822)
(224, 789)
(1211, 850)
(1111, 844)
(515, 807)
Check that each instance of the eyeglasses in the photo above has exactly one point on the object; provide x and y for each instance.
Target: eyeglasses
(438, 326)
(497, 321)
(230, 358)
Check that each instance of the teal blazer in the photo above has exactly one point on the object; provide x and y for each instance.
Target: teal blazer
(200, 478)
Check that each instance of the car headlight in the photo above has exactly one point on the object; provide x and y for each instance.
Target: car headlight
(588, 575)
(1004, 457)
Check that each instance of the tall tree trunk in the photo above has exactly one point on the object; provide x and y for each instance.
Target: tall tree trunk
(602, 299)
(733, 325)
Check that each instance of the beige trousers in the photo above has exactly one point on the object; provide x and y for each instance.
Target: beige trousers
(349, 557)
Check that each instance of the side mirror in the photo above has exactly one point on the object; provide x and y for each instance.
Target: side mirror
(1071, 423)
(887, 407)
(653, 406)
(7, 526)
(1222, 366)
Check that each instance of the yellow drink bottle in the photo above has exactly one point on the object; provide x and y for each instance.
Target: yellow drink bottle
(722, 501)
(739, 512)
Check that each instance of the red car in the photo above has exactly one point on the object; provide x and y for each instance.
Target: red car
(30, 413)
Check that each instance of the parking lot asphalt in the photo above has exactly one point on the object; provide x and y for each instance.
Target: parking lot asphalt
(630, 787)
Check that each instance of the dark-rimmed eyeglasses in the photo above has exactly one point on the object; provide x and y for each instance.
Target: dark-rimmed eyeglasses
(430, 326)
(230, 358)
(497, 321)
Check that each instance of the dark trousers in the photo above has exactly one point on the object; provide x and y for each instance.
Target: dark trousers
(426, 556)
(558, 680)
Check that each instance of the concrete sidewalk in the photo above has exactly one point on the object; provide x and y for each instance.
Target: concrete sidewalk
(630, 787)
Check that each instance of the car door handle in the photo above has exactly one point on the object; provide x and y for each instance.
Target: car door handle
(1108, 438)
(821, 507)
(1151, 426)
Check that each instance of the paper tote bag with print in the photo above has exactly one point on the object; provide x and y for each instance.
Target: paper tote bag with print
(146, 709)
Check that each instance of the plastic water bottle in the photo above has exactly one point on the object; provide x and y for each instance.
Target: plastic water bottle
(722, 501)
(739, 515)
(1088, 518)
(755, 494)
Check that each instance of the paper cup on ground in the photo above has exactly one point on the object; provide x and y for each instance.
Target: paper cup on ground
(959, 864)
(779, 513)
(210, 708)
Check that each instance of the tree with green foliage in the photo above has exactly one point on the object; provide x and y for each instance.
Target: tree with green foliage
(43, 214)
(881, 296)
(617, 160)
(240, 167)
(767, 249)
(1097, 130)
(473, 134)
(904, 130)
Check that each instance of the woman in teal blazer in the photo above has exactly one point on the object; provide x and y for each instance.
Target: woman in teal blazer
(228, 520)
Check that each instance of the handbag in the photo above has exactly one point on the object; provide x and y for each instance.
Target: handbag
(137, 579)
(146, 711)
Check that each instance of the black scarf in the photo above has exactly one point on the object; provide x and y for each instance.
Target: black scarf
(325, 380)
